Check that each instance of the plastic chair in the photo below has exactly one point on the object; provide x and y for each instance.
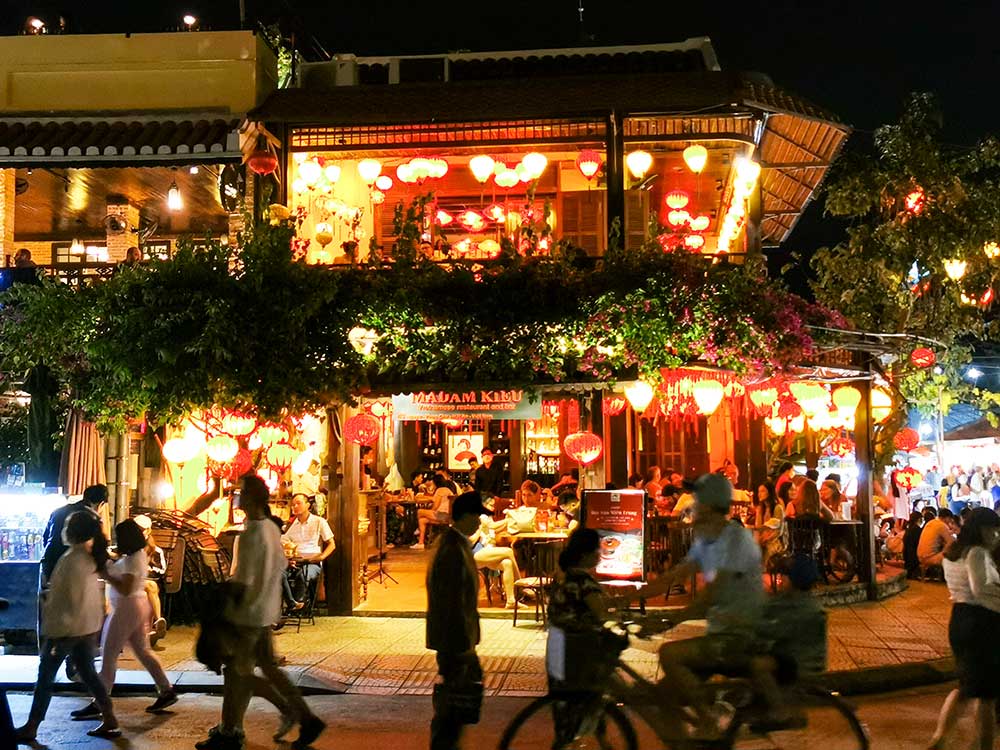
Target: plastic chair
(544, 563)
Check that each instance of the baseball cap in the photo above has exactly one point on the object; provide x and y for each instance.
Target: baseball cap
(468, 503)
(145, 522)
(714, 491)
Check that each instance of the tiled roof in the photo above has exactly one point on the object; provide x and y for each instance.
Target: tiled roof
(117, 141)
(585, 95)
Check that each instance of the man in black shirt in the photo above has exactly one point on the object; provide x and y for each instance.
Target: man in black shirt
(93, 498)
(489, 476)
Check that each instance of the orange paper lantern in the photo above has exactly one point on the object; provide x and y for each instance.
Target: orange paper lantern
(923, 357)
(908, 478)
(614, 405)
(906, 439)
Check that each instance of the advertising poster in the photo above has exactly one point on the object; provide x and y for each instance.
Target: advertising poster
(618, 517)
(462, 447)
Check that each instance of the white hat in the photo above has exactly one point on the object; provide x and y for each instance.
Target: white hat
(145, 522)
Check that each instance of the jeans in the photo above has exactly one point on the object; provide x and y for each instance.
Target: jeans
(453, 667)
(80, 650)
(254, 647)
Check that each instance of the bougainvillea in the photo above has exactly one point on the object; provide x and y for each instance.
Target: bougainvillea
(251, 325)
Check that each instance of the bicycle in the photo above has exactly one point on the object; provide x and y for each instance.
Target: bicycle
(602, 718)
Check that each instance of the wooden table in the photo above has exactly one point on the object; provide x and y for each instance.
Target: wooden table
(531, 538)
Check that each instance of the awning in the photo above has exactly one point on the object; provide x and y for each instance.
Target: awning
(118, 141)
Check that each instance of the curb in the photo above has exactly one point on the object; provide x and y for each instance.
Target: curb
(891, 678)
(846, 682)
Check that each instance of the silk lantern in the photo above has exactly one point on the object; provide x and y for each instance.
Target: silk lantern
(614, 404)
(180, 450)
(908, 478)
(708, 395)
(881, 405)
(589, 162)
(280, 456)
(221, 448)
(238, 425)
(923, 357)
(583, 447)
(361, 429)
(906, 439)
(639, 395)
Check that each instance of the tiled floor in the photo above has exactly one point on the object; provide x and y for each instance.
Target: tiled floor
(385, 655)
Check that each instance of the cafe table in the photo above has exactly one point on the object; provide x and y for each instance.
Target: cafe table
(528, 540)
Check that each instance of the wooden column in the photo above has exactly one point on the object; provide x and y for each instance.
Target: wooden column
(614, 167)
(866, 508)
(341, 572)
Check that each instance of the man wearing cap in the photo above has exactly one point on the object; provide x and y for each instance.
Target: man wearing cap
(157, 568)
(732, 600)
(453, 617)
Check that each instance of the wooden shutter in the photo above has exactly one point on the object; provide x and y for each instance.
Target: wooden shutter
(636, 218)
(581, 220)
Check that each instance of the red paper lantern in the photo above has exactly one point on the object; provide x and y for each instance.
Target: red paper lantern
(614, 405)
(840, 447)
(588, 162)
(583, 447)
(262, 162)
(906, 439)
(908, 478)
(280, 456)
(923, 357)
(361, 429)
(233, 469)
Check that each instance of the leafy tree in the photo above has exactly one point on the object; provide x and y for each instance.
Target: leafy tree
(916, 207)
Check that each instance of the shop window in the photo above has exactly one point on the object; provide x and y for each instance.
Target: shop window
(62, 252)
(680, 445)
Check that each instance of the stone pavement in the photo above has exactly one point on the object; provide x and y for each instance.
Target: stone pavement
(386, 656)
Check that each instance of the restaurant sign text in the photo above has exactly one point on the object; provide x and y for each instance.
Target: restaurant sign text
(484, 404)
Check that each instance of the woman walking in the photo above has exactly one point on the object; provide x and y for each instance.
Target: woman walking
(129, 620)
(72, 613)
(974, 584)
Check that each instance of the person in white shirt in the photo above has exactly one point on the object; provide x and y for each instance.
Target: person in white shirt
(72, 615)
(157, 568)
(253, 608)
(974, 584)
(129, 620)
(313, 540)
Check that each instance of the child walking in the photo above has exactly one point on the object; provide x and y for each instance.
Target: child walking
(72, 613)
(130, 617)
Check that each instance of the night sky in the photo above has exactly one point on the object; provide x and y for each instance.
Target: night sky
(858, 59)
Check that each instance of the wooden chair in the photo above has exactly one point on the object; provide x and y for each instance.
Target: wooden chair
(805, 537)
(543, 565)
(492, 579)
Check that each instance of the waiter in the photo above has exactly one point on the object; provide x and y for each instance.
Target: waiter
(489, 476)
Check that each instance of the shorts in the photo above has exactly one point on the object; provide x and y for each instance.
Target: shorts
(716, 653)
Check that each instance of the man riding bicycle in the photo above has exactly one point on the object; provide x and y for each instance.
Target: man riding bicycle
(732, 602)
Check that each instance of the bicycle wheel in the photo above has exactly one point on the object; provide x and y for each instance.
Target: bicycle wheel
(832, 724)
(549, 723)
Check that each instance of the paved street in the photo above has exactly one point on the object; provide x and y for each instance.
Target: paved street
(384, 656)
(898, 721)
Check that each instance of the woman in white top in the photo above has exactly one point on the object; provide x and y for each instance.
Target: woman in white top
(439, 514)
(130, 617)
(487, 554)
(974, 584)
(72, 612)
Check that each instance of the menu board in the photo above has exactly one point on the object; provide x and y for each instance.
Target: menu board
(618, 517)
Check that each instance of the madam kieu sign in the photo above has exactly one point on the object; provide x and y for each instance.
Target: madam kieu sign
(479, 403)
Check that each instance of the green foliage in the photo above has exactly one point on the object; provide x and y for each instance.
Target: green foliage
(253, 327)
(13, 434)
(889, 276)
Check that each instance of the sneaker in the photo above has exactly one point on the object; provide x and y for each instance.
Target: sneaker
(219, 740)
(164, 701)
(108, 729)
(90, 711)
(417, 546)
(296, 606)
(310, 728)
(286, 725)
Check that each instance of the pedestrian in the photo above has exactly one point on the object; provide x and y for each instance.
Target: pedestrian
(72, 615)
(129, 620)
(254, 607)
(453, 622)
(93, 500)
(157, 569)
(973, 579)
